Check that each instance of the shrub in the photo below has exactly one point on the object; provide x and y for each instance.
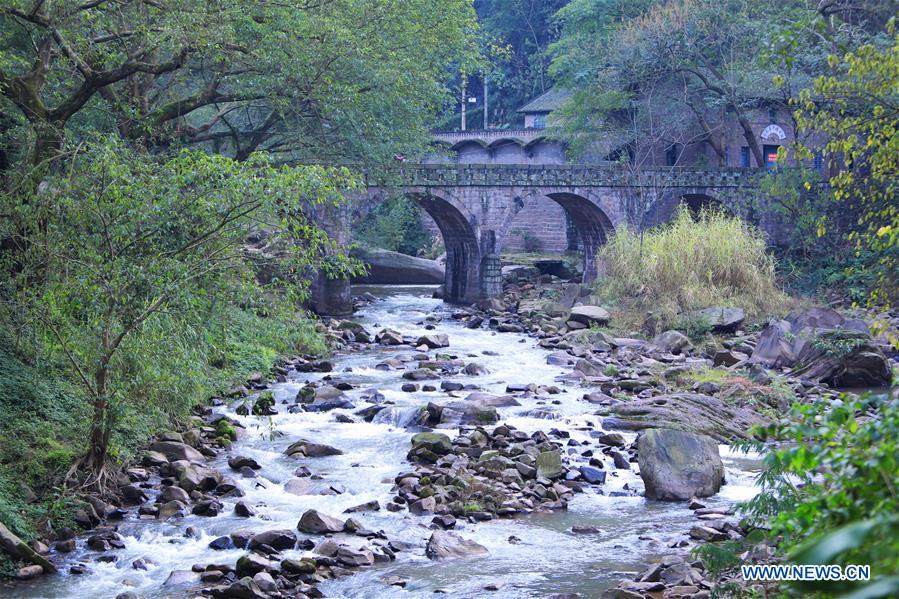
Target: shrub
(695, 261)
(829, 486)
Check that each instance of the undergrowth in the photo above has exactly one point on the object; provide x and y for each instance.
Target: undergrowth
(693, 262)
(45, 416)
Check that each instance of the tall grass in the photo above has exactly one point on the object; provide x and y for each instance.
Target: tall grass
(695, 261)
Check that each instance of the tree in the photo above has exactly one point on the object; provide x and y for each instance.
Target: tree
(343, 79)
(122, 240)
(526, 28)
(705, 49)
(856, 111)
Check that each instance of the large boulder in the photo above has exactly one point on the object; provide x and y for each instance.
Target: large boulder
(720, 319)
(676, 466)
(446, 545)
(820, 345)
(844, 358)
(589, 315)
(388, 268)
(174, 450)
(690, 412)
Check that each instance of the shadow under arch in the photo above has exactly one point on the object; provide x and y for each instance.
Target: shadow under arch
(664, 210)
(462, 279)
(591, 225)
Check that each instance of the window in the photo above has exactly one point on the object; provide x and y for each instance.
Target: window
(540, 120)
(726, 155)
(819, 161)
(772, 115)
(744, 156)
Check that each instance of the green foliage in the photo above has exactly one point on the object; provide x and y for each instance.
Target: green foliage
(337, 80)
(694, 326)
(829, 487)
(691, 263)
(395, 225)
(525, 29)
(837, 344)
(855, 111)
(126, 260)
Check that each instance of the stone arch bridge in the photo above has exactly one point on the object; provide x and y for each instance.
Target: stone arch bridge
(474, 206)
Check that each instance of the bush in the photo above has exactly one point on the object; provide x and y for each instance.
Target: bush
(829, 487)
(711, 260)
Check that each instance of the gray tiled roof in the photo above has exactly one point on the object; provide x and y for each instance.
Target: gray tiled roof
(547, 101)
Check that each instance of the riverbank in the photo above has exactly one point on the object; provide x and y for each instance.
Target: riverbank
(506, 397)
(45, 417)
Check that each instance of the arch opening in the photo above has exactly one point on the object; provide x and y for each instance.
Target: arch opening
(589, 224)
(665, 209)
(462, 278)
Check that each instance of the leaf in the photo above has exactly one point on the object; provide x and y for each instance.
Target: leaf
(883, 587)
(823, 550)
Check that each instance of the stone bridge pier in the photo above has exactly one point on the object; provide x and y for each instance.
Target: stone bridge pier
(475, 209)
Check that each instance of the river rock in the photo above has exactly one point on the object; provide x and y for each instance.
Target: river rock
(673, 342)
(250, 564)
(720, 319)
(181, 578)
(315, 522)
(446, 545)
(278, 539)
(389, 337)
(861, 364)
(675, 465)
(820, 345)
(355, 558)
(549, 464)
(311, 450)
(245, 588)
(237, 462)
(437, 443)
(592, 475)
(433, 341)
(173, 450)
(589, 315)
(174, 493)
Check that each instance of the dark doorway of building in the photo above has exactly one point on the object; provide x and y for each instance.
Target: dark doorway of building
(770, 155)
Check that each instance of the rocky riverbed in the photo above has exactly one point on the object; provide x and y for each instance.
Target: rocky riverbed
(454, 450)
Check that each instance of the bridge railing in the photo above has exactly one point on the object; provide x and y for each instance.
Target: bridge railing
(423, 175)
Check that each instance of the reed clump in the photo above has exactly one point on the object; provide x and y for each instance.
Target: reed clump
(697, 260)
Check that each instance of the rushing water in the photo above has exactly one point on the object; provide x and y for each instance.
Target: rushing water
(548, 559)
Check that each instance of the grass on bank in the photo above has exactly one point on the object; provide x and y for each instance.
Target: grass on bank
(45, 415)
(693, 262)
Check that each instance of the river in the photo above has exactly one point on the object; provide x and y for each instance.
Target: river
(548, 559)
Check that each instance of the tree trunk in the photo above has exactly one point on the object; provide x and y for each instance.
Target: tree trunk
(100, 423)
(48, 140)
(749, 134)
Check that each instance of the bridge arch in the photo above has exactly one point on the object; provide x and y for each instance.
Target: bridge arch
(464, 256)
(590, 223)
(664, 210)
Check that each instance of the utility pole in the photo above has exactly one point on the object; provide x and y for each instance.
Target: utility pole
(464, 100)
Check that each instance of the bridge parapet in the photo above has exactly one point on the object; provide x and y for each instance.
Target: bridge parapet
(476, 175)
